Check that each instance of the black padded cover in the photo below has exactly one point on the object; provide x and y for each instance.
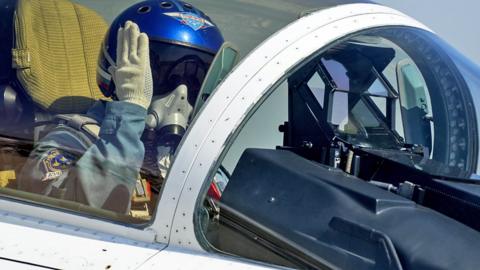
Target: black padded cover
(344, 220)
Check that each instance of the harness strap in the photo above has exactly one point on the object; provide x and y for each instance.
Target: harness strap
(81, 123)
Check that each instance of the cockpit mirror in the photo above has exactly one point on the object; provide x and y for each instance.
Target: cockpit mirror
(226, 58)
(411, 86)
(414, 103)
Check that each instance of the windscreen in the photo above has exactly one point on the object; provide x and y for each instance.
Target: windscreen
(391, 88)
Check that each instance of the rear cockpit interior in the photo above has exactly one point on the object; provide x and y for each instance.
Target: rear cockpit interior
(48, 75)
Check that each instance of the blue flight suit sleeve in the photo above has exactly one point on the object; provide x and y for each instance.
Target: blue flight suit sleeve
(102, 175)
(106, 174)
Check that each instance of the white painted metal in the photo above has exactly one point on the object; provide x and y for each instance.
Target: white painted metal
(236, 96)
(181, 259)
(42, 213)
(62, 246)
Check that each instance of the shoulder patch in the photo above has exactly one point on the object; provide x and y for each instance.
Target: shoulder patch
(55, 164)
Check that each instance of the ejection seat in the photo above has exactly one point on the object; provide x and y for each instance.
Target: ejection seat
(54, 55)
(54, 60)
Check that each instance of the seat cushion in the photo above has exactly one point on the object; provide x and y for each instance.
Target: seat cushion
(55, 54)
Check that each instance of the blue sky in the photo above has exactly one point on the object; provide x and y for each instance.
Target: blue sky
(457, 22)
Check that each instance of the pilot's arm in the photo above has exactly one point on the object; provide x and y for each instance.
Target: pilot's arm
(102, 175)
(65, 164)
(105, 175)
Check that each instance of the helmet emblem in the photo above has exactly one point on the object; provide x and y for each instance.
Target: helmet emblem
(190, 19)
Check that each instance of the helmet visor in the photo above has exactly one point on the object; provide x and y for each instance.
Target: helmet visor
(173, 65)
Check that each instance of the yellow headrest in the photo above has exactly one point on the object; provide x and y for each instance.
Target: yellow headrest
(56, 52)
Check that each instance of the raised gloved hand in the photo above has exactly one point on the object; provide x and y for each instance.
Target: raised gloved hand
(132, 74)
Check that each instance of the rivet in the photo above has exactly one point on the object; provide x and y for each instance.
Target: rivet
(184, 172)
(166, 225)
(173, 198)
(183, 214)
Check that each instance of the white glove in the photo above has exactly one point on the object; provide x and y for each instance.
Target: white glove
(132, 74)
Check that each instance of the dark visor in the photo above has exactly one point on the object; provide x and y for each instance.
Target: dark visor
(174, 64)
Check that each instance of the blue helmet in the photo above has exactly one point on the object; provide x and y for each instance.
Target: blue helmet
(183, 43)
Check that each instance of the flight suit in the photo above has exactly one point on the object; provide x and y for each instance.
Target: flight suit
(70, 164)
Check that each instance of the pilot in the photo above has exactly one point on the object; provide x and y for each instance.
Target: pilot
(151, 65)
